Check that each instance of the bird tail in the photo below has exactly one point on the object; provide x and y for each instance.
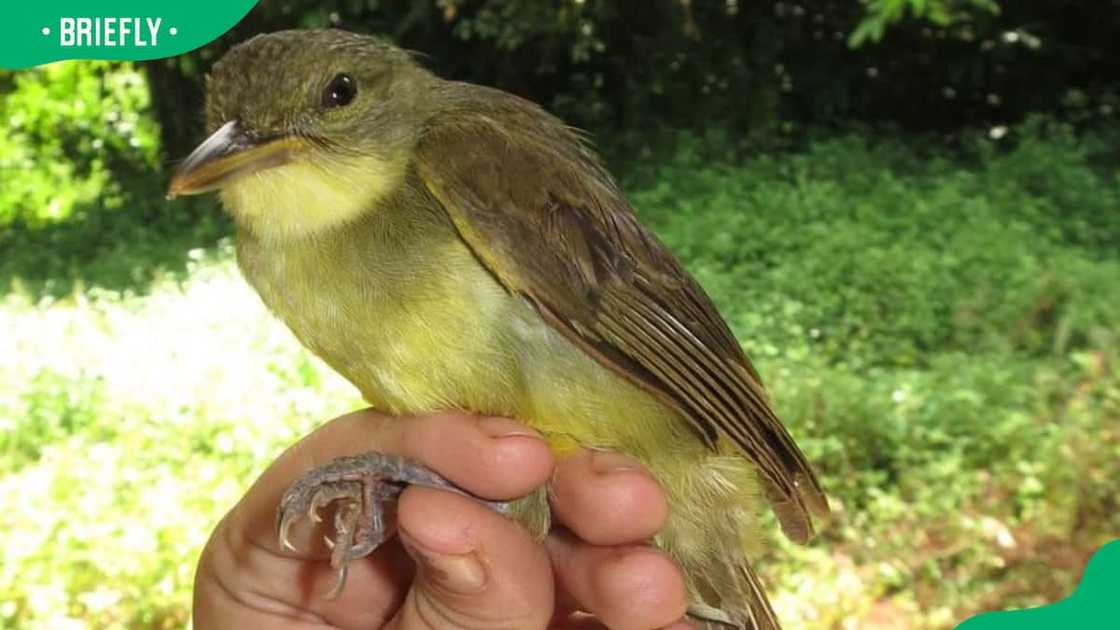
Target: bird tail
(742, 601)
(712, 532)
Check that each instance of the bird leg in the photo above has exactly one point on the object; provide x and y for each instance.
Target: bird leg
(360, 487)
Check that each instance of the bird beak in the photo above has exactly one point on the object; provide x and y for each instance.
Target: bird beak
(227, 154)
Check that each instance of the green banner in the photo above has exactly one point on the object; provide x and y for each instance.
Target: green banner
(42, 31)
(1095, 605)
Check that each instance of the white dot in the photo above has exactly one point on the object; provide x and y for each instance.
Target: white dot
(173, 31)
(46, 30)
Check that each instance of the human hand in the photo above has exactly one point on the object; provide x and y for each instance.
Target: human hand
(454, 562)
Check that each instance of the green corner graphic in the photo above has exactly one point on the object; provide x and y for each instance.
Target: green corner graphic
(1095, 605)
(52, 30)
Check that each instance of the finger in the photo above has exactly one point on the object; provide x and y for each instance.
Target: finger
(627, 588)
(490, 457)
(475, 568)
(606, 498)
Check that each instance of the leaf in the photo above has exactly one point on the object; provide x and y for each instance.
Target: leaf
(869, 29)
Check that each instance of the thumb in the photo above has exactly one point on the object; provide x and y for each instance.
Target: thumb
(475, 568)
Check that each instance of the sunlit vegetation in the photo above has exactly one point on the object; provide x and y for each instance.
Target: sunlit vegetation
(939, 333)
(925, 274)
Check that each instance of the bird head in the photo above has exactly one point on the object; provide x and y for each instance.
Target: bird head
(307, 129)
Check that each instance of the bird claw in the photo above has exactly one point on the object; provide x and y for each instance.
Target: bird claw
(359, 488)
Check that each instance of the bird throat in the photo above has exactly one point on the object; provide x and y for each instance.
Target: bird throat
(312, 194)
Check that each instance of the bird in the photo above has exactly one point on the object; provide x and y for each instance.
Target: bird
(446, 245)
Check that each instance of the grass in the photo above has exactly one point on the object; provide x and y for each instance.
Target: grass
(938, 330)
(128, 427)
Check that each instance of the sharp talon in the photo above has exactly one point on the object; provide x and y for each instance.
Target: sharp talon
(285, 527)
(340, 582)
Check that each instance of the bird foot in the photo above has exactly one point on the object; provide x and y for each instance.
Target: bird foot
(360, 488)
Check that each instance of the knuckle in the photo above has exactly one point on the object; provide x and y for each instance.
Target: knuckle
(429, 611)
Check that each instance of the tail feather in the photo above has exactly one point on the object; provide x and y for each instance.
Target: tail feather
(737, 598)
(758, 605)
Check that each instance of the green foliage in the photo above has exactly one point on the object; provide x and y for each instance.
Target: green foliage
(125, 250)
(939, 330)
(866, 253)
(881, 14)
(75, 131)
(81, 194)
(751, 66)
(941, 333)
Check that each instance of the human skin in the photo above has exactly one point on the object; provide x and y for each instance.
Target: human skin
(454, 563)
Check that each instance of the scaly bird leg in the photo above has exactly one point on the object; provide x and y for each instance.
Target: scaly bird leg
(360, 487)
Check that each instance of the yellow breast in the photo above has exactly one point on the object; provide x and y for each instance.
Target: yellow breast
(398, 304)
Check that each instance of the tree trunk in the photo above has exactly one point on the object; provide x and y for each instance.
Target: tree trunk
(177, 104)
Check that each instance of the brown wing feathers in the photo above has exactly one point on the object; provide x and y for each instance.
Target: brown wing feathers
(548, 221)
(728, 398)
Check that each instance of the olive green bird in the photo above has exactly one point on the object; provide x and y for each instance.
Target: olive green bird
(445, 245)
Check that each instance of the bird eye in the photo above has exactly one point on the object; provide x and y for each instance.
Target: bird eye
(340, 91)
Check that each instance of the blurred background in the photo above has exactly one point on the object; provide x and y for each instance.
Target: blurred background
(908, 210)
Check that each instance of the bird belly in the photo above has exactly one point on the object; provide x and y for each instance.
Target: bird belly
(441, 333)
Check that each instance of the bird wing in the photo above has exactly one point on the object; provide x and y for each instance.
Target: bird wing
(539, 210)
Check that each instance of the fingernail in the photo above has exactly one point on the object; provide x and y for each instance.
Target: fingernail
(459, 573)
(606, 462)
(504, 427)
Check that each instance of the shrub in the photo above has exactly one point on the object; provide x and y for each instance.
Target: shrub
(76, 131)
